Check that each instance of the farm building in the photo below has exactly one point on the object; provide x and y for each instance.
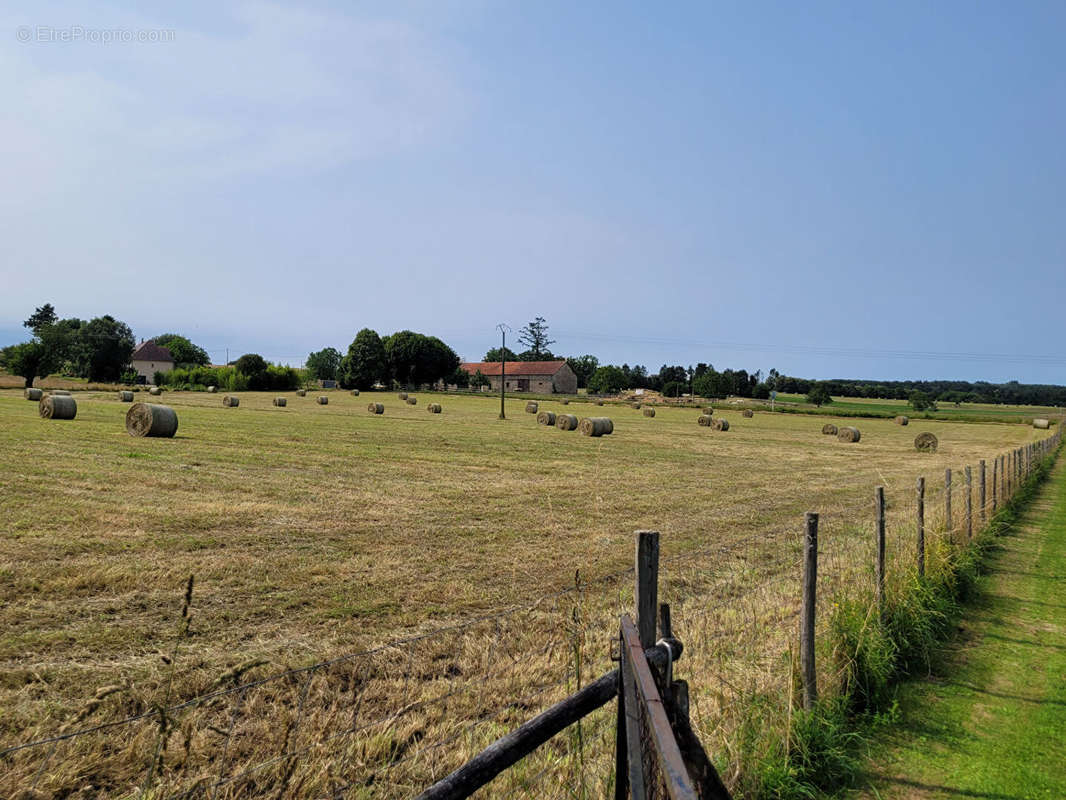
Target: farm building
(149, 358)
(541, 377)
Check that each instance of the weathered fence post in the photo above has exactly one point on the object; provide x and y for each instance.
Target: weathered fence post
(995, 484)
(880, 499)
(810, 587)
(969, 503)
(949, 523)
(921, 527)
(983, 498)
(647, 586)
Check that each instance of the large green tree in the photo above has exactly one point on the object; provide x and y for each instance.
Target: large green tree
(109, 344)
(325, 364)
(183, 351)
(253, 367)
(607, 380)
(414, 358)
(365, 364)
(501, 353)
(583, 367)
(42, 317)
(29, 360)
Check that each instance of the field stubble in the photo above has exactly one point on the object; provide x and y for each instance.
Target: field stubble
(317, 532)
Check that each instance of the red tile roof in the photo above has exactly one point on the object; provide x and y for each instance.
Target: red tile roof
(150, 351)
(514, 367)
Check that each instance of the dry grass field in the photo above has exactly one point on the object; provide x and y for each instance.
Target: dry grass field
(314, 531)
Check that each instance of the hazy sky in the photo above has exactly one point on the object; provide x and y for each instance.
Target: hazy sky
(829, 189)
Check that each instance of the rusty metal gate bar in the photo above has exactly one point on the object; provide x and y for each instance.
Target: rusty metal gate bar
(655, 762)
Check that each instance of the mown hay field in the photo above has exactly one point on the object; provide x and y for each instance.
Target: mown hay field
(317, 530)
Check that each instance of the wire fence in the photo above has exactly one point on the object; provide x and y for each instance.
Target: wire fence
(389, 720)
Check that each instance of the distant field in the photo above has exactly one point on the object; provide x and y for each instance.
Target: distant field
(963, 411)
(314, 530)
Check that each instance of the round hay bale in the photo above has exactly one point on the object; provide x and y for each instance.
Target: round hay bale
(829, 429)
(848, 434)
(705, 420)
(59, 393)
(902, 420)
(1043, 424)
(402, 395)
(566, 422)
(155, 391)
(531, 407)
(636, 406)
(146, 419)
(433, 408)
(323, 400)
(596, 426)
(33, 394)
(546, 418)
(301, 393)
(599, 402)
(926, 443)
(566, 402)
(412, 401)
(649, 412)
(747, 413)
(125, 397)
(719, 424)
(231, 401)
(212, 389)
(57, 406)
(280, 402)
(376, 408)
(355, 392)
(708, 410)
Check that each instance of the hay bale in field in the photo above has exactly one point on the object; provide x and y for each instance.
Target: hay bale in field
(57, 406)
(145, 419)
(599, 402)
(355, 392)
(829, 429)
(280, 402)
(231, 401)
(155, 391)
(1043, 424)
(125, 397)
(848, 434)
(902, 420)
(719, 424)
(531, 407)
(546, 418)
(301, 393)
(926, 443)
(566, 402)
(649, 412)
(212, 389)
(412, 401)
(596, 426)
(708, 410)
(402, 395)
(747, 413)
(33, 394)
(433, 408)
(705, 420)
(636, 406)
(376, 408)
(566, 422)
(323, 400)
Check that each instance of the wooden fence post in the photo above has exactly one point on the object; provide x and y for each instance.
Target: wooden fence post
(810, 586)
(880, 500)
(921, 527)
(969, 503)
(983, 498)
(995, 484)
(647, 586)
(949, 523)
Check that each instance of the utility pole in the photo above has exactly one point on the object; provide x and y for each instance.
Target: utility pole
(503, 327)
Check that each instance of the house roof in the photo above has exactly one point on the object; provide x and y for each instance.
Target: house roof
(150, 351)
(514, 367)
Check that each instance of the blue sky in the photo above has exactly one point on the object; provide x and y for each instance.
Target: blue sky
(823, 188)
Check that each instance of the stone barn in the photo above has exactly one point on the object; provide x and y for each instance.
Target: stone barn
(538, 377)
